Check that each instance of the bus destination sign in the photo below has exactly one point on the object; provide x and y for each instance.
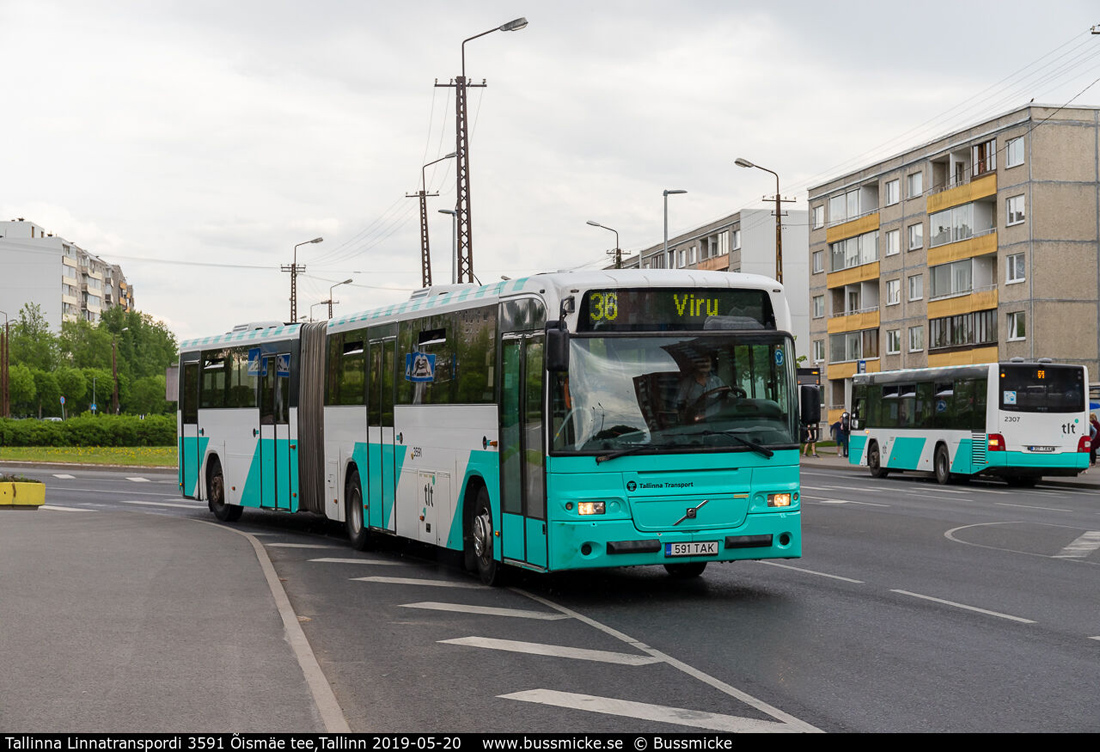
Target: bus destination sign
(674, 309)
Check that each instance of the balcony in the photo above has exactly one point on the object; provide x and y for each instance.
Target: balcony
(981, 187)
(962, 357)
(850, 228)
(852, 275)
(849, 369)
(851, 321)
(966, 301)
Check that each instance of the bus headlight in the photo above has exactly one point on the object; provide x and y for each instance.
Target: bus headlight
(779, 500)
(591, 507)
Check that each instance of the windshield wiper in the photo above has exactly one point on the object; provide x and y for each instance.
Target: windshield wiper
(732, 433)
(622, 453)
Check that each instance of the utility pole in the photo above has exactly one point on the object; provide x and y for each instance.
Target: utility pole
(425, 252)
(5, 399)
(779, 201)
(293, 268)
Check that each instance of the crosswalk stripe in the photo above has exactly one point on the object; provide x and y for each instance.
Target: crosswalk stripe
(518, 613)
(162, 504)
(63, 476)
(556, 651)
(299, 545)
(138, 480)
(64, 509)
(646, 711)
(379, 562)
(417, 581)
(1081, 547)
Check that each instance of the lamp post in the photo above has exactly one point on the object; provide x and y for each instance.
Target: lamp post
(462, 169)
(425, 254)
(347, 281)
(454, 243)
(668, 193)
(742, 162)
(617, 253)
(294, 269)
(5, 399)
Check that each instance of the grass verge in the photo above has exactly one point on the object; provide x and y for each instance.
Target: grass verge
(138, 456)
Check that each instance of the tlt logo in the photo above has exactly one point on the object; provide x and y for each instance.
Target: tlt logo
(1069, 428)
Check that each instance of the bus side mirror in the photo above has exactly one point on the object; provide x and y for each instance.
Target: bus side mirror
(809, 404)
(557, 347)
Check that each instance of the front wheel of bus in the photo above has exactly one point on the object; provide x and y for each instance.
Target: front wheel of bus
(874, 462)
(942, 466)
(687, 570)
(481, 540)
(216, 495)
(358, 533)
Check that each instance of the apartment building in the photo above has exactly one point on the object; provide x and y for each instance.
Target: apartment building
(744, 242)
(65, 281)
(979, 246)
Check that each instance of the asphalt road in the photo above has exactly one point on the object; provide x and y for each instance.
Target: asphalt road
(917, 607)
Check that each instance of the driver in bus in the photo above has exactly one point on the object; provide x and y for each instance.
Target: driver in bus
(700, 388)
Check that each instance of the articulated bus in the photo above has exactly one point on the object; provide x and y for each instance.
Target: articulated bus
(1018, 421)
(561, 421)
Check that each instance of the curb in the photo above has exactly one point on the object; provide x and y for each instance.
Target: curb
(833, 463)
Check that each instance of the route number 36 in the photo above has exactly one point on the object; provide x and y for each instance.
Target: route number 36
(603, 306)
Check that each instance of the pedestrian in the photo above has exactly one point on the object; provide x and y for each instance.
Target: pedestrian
(843, 433)
(1094, 436)
(811, 440)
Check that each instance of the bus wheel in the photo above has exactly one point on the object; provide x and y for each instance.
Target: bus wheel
(358, 533)
(216, 495)
(481, 540)
(874, 461)
(942, 466)
(687, 570)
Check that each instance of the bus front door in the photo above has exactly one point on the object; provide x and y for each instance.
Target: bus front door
(191, 448)
(381, 475)
(522, 455)
(274, 430)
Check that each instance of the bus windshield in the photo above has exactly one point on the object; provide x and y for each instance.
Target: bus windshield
(1042, 388)
(720, 391)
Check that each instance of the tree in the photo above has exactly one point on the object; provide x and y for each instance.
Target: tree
(73, 386)
(147, 396)
(32, 342)
(21, 389)
(100, 386)
(47, 392)
(85, 346)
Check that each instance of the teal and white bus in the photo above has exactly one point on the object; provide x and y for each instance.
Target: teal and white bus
(561, 421)
(1018, 421)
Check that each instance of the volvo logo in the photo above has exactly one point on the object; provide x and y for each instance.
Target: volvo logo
(691, 512)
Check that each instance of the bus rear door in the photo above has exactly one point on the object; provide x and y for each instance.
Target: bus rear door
(190, 450)
(274, 430)
(380, 434)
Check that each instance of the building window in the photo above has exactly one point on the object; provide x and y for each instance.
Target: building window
(965, 330)
(819, 261)
(819, 350)
(862, 249)
(893, 242)
(1015, 268)
(916, 237)
(893, 291)
(916, 287)
(819, 306)
(850, 346)
(819, 216)
(735, 243)
(893, 193)
(1016, 328)
(916, 338)
(1014, 152)
(893, 341)
(1014, 209)
(984, 157)
(915, 184)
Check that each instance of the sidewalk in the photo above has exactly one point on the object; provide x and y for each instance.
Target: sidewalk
(828, 459)
(133, 622)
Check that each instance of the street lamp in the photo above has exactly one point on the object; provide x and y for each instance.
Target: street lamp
(617, 252)
(668, 193)
(114, 368)
(294, 269)
(5, 400)
(742, 162)
(425, 254)
(462, 168)
(347, 281)
(454, 243)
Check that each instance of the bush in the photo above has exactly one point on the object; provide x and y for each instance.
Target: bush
(89, 431)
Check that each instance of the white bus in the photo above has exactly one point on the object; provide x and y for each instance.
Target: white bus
(1018, 421)
(543, 423)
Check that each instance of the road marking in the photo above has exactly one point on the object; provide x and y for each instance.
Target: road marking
(299, 545)
(989, 491)
(810, 571)
(1095, 638)
(792, 723)
(64, 509)
(416, 581)
(63, 476)
(822, 500)
(463, 608)
(1026, 506)
(163, 504)
(1081, 547)
(555, 651)
(138, 480)
(645, 711)
(964, 606)
(379, 562)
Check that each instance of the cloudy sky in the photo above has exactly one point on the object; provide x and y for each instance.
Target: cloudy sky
(195, 142)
